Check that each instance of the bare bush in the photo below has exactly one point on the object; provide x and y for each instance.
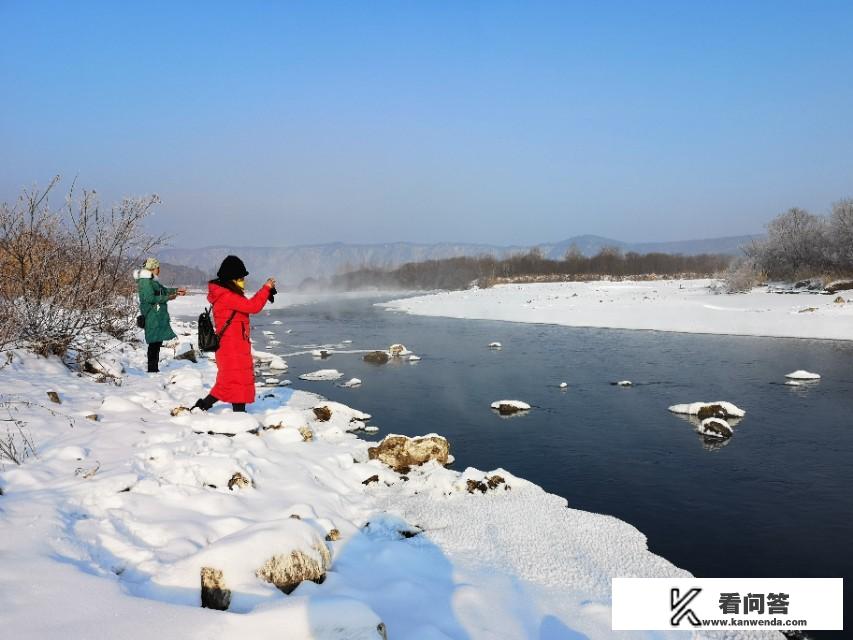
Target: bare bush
(65, 272)
(742, 276)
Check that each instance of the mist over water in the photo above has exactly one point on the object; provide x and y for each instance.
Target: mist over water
(772, 501)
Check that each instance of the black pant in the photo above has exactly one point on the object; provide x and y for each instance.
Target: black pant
(154, 357)
(207, 402)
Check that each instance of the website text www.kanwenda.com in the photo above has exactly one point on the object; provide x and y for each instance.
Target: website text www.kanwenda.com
(744, 622)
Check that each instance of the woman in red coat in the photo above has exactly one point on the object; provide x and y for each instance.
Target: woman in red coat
(235, 378)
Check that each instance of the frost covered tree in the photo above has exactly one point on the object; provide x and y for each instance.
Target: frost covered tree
(841, 234)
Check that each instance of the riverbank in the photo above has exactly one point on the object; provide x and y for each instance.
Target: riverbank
(114, 515)
(688, 306)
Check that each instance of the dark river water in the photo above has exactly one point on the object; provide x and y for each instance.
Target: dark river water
(774, 501)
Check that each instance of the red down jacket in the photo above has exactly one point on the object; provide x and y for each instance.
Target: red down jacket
(235, 378)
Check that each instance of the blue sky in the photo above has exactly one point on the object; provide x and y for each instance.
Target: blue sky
(267, 123)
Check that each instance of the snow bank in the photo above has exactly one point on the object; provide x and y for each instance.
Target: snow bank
(687, 306)
(116, 549)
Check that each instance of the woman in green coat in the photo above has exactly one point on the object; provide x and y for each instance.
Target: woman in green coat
(153, 298)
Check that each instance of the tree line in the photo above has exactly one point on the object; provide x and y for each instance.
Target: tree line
(801, 245)
(486, 270)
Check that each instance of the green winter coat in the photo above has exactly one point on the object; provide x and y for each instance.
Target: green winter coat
(153, 297)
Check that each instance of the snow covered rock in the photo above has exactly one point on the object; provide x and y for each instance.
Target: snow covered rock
(107, 364)
(278, 363)
(489, 483)
(185, 351)
(321, 353)
(322, 375)
(801, 374)
(288, 571)
(401, 452)
(323, 414)
(397, 350)
(839, 285)
(414, 358)
(352, 382)
(564, 385)
(702, 410)
(622, 383)
(495, 345)
(508, 407)
(214, 595)
(377, 357)
(715, 428)
(239, 480)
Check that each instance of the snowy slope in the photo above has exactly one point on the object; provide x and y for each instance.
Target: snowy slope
(103, 532)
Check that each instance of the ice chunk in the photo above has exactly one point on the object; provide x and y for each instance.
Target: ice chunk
(801, 374)
(322, 375)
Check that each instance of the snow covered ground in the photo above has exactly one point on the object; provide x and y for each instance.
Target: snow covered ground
(664, 305)
(105, 528)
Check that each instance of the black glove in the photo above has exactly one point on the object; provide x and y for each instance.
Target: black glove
(273, 291)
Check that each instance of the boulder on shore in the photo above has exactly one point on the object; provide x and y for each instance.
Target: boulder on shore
(839, 285)
(214, 595)
(402, 452)
(287, 571)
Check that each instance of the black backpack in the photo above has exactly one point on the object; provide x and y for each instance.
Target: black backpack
(208, 339)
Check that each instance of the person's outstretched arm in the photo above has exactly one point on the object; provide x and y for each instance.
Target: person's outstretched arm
(250, 305)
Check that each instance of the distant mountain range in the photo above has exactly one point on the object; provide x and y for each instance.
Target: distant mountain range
(293, 265)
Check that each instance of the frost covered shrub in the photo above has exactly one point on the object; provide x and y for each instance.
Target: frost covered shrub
(64, 273)
(742, 276)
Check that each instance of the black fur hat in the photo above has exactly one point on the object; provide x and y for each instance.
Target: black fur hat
(232, 268)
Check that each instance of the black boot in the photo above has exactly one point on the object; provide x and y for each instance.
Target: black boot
(154, 357)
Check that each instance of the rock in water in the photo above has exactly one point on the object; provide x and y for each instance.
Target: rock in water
(715, 428)
(720, 408)
(402, 452)
(377, 357)
(214, 595)
(508, 407)
(397, 350)
(495, 345)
